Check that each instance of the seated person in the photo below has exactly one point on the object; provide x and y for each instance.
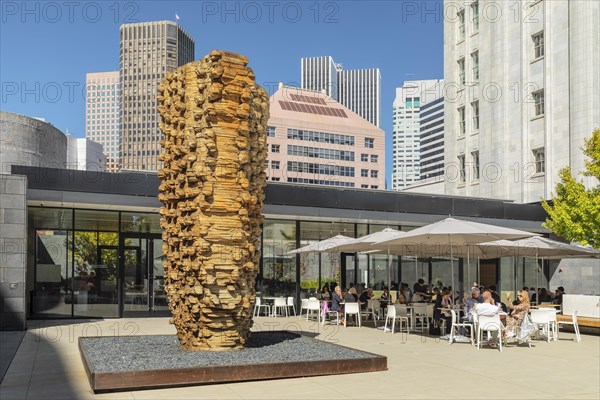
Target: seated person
(385, 298)
(405, 291)
(325, 294)
(443, 301)
(401, 299)
(518, 312)
(470, 303)
(558, 299)
(336, 300)
(487, 307)
(364, 297)
(353, 293)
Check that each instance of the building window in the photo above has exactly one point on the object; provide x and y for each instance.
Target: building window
(475, 113)
(475, 16)
(475, 62)
(374, 158)
(275, 148)
(374, 186)
(475, 163)
(461, 121)
(364, 157)
(275, 179)
(271, 131)
(540, 160)
(369, 143)
(275, 164)
(462, 169)
(363, 186)
(364, 173)
(461, 24)
(374, 173)
(538, 98)
(538, 45)
(461, 71)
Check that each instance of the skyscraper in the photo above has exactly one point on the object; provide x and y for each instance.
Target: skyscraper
(149, 50)
(431, 140)
(320, 73)
(406, 150)
(103, 114)
(522, 93)
(359, 90)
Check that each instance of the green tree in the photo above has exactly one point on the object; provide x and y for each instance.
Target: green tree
(575, 210)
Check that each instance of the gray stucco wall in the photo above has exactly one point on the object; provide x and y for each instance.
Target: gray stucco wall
(577, 276)
(28, 141)
(13, 251)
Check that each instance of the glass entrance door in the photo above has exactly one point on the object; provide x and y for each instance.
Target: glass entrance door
(143, 276)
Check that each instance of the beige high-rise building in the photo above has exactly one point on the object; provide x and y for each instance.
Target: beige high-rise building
(102, 114)
(148, 51)
(313, 139)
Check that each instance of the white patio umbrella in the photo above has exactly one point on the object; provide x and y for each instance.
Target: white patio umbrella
(364, 244)
(451, 232)
(327, 245)
(540, 247)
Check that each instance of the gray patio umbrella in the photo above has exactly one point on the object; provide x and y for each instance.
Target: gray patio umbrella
(451, 232)
(364, 244)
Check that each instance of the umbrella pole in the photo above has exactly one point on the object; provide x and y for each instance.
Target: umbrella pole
(468, 264)
(389, 269)
(452, 265)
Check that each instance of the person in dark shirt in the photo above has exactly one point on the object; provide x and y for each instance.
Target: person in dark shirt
(364, 297)
(558, 299)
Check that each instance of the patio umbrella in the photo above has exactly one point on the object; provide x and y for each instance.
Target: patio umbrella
(364, 244)
(540, 247)
(327, 245)
(451, 232)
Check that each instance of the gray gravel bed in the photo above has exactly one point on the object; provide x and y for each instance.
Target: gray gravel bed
(134, 353)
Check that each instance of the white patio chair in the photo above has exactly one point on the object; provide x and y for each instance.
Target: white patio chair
(303, 306)
(373, 307)
(314, 306)
(351, 309)
(403, 312)
(454, 329)
(546, 319)
(420, 313)
(280, 303)
(491, 324)
(258, 306)
(573, 323)
(329, 313)
(290, 303)
(392, 314)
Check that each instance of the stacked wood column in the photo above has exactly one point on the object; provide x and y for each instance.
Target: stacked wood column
(214, 120)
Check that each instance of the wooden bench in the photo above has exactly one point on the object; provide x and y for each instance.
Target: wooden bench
(581, 321)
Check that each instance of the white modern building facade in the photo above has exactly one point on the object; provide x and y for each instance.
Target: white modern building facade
(149, 50)
(431, 140)
(522, 94)
(103, 114)
(357, 89)
(85, 155)
(406, 130)
(320, 73)
(360, 91)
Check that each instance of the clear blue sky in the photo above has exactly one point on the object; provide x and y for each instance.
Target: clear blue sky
(47, 48)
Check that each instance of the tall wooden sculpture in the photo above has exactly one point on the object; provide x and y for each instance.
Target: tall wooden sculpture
(214, 119)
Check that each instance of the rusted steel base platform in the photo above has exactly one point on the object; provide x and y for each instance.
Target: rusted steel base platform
(150, 362)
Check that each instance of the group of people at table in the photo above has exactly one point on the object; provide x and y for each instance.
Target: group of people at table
(480, 301)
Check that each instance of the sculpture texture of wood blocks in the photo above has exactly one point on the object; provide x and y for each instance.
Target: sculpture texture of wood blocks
(214, 120)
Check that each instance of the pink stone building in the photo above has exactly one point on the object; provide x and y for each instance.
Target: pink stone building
(313, 139)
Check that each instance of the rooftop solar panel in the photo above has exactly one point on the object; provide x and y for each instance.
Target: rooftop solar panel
(312, 109)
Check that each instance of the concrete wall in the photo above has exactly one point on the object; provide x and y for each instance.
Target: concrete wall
(577, 276)
(31, 142)
(13, 251)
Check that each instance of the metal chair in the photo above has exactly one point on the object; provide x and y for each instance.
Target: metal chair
(314, 305)
(546, 319)
(303, 306)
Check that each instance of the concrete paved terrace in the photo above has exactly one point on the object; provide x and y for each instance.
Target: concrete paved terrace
(47, 365)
